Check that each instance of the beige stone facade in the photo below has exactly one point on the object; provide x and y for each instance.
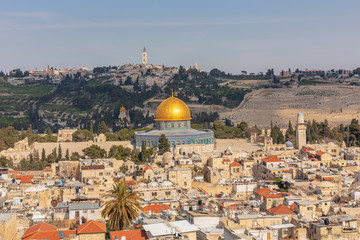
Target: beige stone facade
(8, 226)
(182, 177)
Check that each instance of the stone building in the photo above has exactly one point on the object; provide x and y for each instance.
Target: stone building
(65, 135)
(182, 177)
(8, 226)
(154, 190)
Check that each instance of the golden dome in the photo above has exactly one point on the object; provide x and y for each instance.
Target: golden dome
(172, 109)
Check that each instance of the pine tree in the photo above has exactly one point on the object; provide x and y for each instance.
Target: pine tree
(103, 128)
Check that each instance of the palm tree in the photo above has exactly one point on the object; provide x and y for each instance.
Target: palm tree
(123, 207)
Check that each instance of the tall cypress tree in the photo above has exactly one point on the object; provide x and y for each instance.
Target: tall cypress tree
(59, 153)
(143, 152)
(164, 145)
(43, 155)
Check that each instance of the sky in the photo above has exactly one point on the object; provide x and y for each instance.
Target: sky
(250, 35)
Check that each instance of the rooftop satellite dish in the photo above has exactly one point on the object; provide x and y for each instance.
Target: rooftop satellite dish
(116, 238)
(123, 238)
(61, 234)
(286, 218)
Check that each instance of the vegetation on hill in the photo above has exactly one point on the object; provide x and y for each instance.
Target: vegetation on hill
(206, 88)
(79, 103)
(16, 103)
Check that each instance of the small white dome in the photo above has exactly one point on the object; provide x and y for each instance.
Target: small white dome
(153, 184)
(166, 184)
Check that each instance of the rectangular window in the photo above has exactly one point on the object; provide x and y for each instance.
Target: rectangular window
(101, 173)
(167, 193)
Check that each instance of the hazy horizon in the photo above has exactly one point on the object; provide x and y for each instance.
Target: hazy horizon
(239, 35)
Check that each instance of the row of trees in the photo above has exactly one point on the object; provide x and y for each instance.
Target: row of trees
(9, 136)
(317, 132)
(229, 131)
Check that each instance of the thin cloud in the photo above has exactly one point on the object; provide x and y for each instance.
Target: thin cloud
(40, 15)
(101, 24)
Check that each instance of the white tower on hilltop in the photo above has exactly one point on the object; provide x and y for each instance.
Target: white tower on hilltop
(144, 57)
(300, 131)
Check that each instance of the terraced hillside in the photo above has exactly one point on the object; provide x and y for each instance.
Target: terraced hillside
(335, 102)
(16, 102)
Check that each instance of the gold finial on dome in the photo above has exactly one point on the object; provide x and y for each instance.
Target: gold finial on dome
(172, 109)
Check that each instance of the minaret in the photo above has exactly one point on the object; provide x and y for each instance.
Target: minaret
(300, 131)
(144, 57)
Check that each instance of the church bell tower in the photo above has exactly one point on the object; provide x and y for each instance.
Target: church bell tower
(144, 57)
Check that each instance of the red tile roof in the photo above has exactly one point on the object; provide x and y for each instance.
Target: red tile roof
(25, 178)
(38, 229)
(281, 210)
(91, 227)
(306, 149)
(155, 208)
(48, 169)
(235, 164)
(130, 182)
(273, 195)
(15, 173)
(287, 171)
(271, 159)
(226, 160)
(129, 234)
(264, 191)
(277, 195)
(328, 179)
(147, 168)
(320, 153)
